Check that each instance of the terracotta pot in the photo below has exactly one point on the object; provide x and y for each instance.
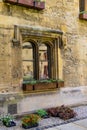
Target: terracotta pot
(39, 5)
(26, 3)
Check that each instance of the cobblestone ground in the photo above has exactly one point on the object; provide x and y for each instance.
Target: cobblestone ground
(51, 122)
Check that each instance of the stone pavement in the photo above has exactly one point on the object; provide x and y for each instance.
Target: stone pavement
(77, 125)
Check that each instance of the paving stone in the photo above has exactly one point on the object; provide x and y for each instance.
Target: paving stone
(82, 123)
(53, 123)
(70, 126)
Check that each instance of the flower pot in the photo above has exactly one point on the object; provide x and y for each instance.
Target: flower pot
(10, 124)
(43, 86)
(11, 1)
(26, 3)
(45, 117)
(27, 87)
(30, 126)
(39, 5)
(83, 16)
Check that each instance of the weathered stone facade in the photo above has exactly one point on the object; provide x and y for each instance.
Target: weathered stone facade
(58, 14)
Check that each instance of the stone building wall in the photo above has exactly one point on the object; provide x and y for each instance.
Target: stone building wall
(58, 14)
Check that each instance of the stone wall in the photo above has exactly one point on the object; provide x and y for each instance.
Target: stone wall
(58, 14)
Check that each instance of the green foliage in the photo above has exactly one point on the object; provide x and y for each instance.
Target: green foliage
(7, 119)
(83, 12)
(44, 81)
(30, 120)
(29, 80)
(41, 112)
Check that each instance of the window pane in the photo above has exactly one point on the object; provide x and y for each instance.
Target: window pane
(27, 58)
(82, 5)
(43, 62)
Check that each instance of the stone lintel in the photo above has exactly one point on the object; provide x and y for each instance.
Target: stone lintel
(37, 31)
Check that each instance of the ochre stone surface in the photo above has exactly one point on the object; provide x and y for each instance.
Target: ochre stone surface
(58, 14)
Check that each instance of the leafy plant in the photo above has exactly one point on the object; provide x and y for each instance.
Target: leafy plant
(42, 113)
(65, 112)
(62, 112)
(45, 81)
(30, 120)
(53, 112)
(8, 121)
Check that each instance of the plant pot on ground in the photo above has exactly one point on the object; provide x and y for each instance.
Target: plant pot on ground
(30, 121)
(8, 121)
(53, 112)
(65, 113)
(42, 113)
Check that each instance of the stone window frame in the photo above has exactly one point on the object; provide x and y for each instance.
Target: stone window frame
(50, 36)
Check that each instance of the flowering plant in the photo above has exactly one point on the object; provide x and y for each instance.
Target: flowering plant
(30, 120)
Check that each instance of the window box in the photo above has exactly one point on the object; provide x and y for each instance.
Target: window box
(27, 3)
(39, 5)
(45, 84)
(11, 1)
(27, 87)
(83, 15)
(60, 83)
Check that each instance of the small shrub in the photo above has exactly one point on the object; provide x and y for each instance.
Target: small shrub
(42, 113)
(30, 120)
(53, 112)
(65, 113)
(8, 121)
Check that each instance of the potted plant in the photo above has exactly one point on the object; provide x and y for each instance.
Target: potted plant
(83, 15)
(11, 1)
(26, 3)
(45, 84)
(28, 83)
(65, 113)
(30, 121)
(38, 4)
(53, 112)
(42, 113)
(8, 121)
